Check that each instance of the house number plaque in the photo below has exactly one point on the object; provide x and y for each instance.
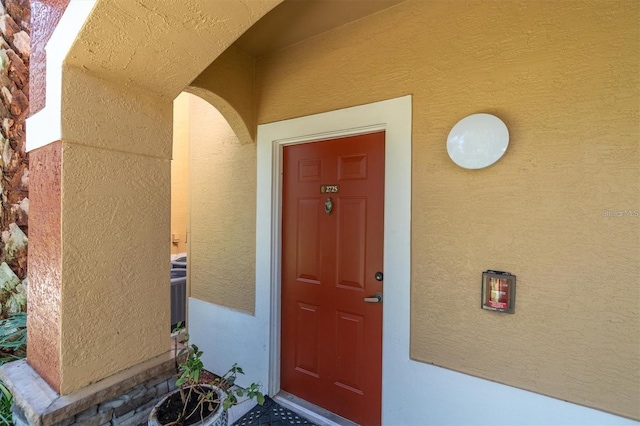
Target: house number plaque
(329, 189)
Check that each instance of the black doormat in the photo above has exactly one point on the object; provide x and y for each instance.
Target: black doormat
(272, 414)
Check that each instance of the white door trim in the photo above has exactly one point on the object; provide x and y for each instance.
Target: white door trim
(394, 117)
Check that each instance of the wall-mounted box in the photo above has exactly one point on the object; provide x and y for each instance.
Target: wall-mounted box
(499, 291)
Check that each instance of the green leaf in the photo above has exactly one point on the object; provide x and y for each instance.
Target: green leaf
(5, 405)
(178, 327)
(226, 404)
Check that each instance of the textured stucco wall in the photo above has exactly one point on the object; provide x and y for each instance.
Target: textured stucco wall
(564, 76)
(128, 63)
(114, 274)
(161, 45)
(180, 173)
(222, 211)
(45, 263)
(115, 228)
(121, 118)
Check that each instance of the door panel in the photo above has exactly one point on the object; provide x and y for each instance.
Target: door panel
(352, 167)
(308, 254)
(309, 170)
(351, 241)
(308, 325)
(331, 339)
(349, 351)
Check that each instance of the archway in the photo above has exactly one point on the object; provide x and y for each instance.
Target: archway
(113, 181)
(220, 205)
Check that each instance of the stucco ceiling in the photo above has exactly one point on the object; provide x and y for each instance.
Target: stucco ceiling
(296, 20)
(160, 45)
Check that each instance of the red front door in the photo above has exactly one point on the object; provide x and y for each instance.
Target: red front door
(332, 245)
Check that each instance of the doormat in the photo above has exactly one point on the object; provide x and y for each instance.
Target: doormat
(272, 414)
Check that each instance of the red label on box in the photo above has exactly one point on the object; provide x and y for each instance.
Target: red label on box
(498, 305)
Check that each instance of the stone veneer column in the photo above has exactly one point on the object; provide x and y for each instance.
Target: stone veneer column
(14, 166)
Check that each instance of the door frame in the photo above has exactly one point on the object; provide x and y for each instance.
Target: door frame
(392, 116)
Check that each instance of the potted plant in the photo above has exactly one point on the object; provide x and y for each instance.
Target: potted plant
(195, 402)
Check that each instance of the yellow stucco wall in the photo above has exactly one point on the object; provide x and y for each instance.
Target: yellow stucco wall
(564, 76)
(102, 193)
(180, 174)
(222, 210)
(113, 272)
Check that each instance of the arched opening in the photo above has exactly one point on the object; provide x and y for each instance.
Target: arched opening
(213, 201)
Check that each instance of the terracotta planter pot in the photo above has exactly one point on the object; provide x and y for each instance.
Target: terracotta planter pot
(218, 418)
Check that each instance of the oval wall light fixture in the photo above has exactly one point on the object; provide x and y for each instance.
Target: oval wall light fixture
(477, 141)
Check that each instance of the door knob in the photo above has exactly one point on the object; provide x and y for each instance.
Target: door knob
(377, 298)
